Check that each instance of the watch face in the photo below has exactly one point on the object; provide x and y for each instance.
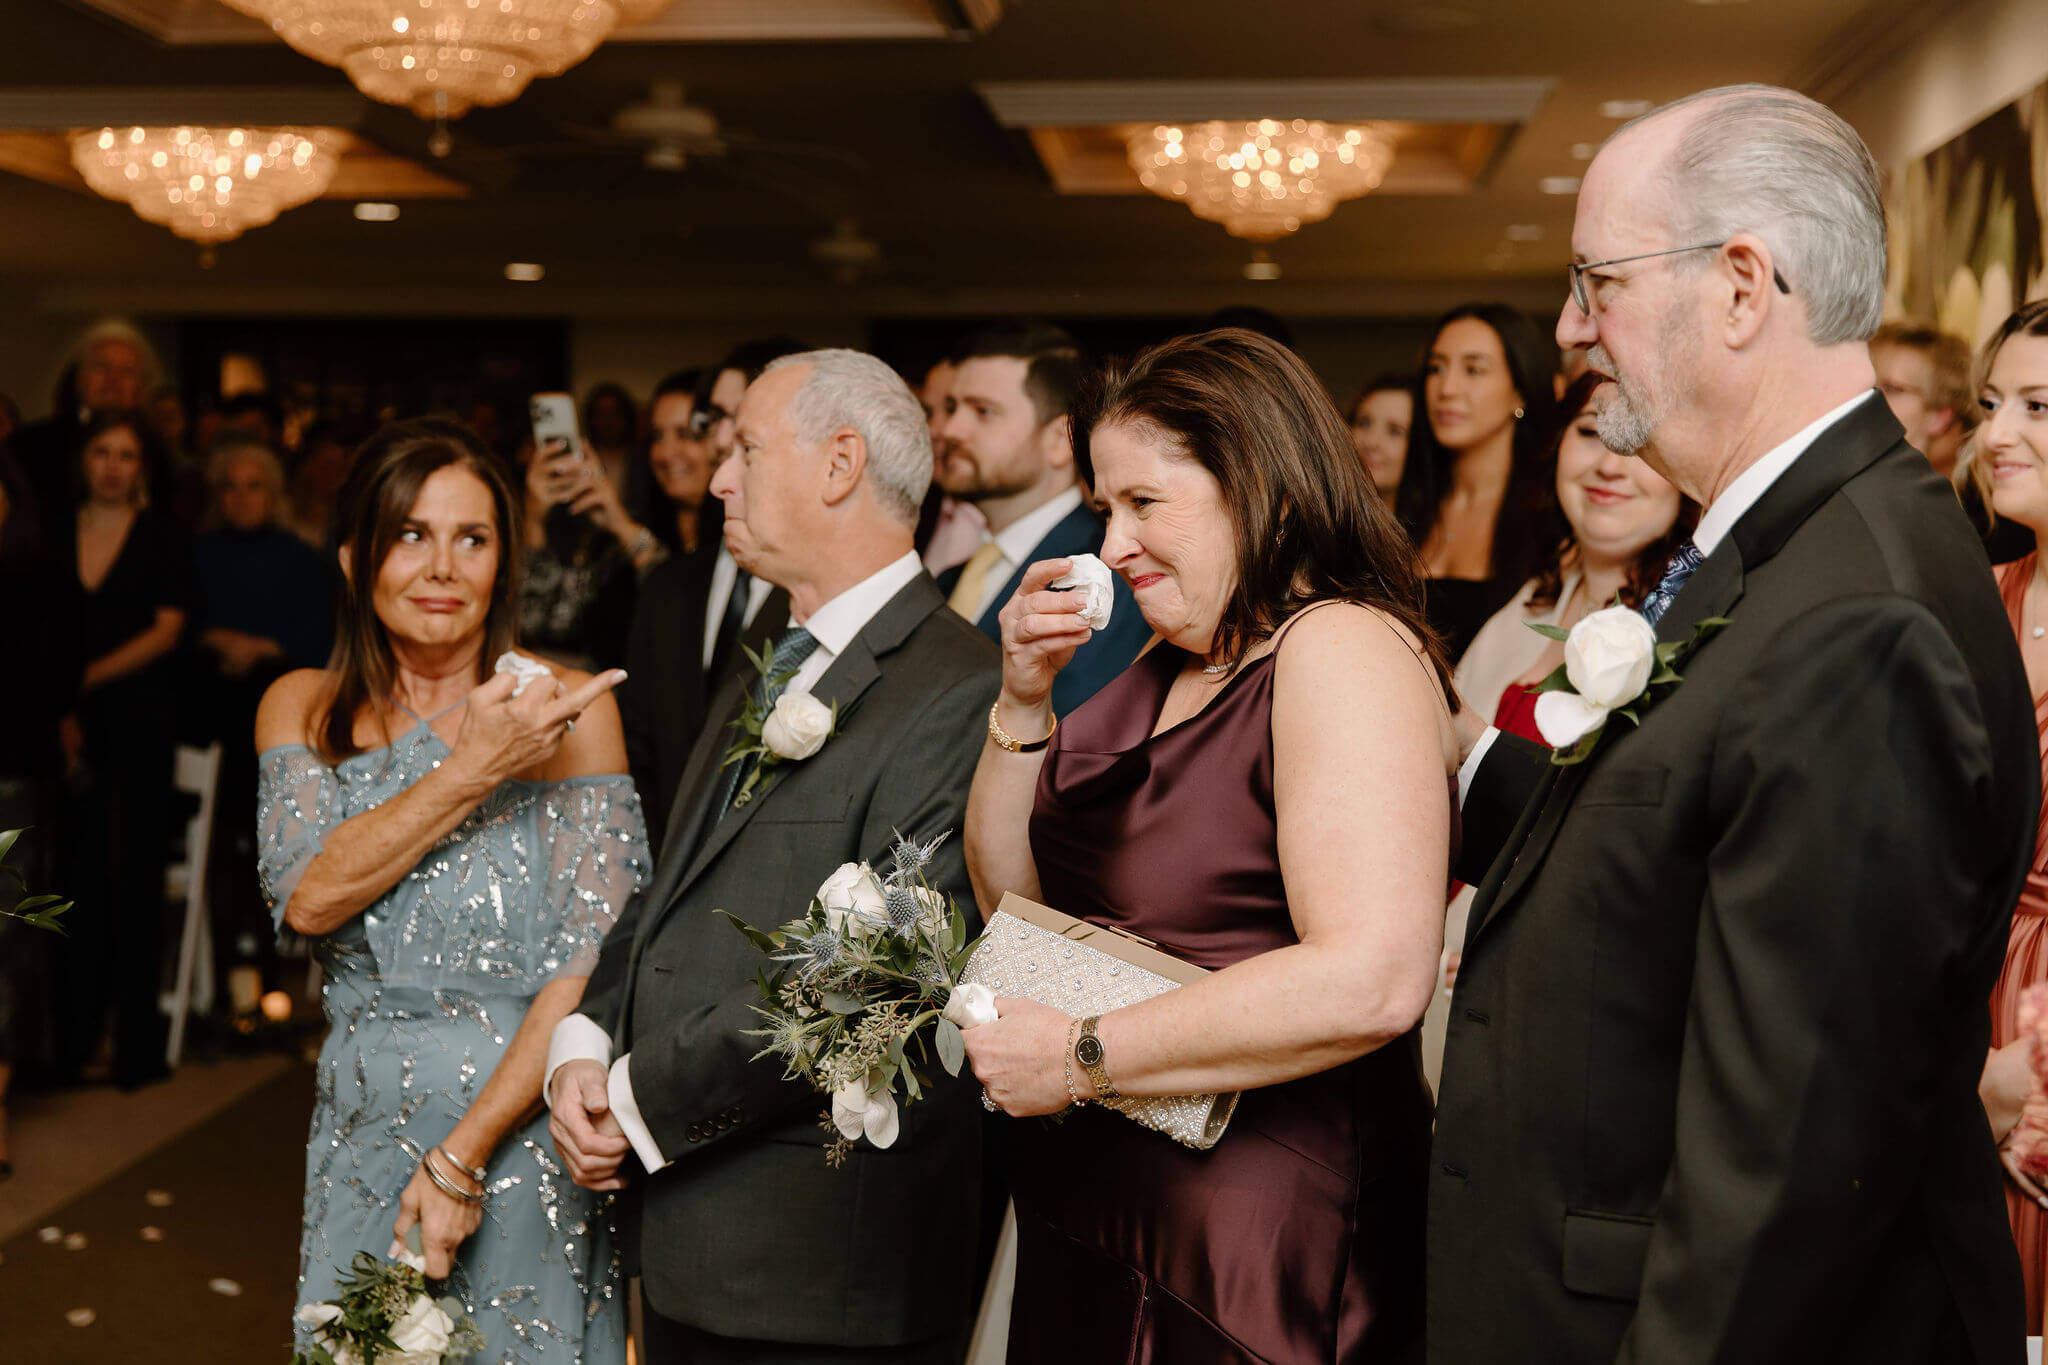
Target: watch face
(1089, 1050)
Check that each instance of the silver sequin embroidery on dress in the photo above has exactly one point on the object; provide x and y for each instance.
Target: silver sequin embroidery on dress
(422, 993)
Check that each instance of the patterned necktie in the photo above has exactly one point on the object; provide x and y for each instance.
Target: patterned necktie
(1683, 563)
(972, 584)
(792, 647)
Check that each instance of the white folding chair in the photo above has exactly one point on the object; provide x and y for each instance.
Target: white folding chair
(198, 772)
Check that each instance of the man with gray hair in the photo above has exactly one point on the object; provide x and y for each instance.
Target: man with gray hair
(111, 367)
(1710, 1084)
(751, 1247)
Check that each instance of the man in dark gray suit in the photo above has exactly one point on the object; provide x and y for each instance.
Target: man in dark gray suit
(1710, 1089)
(752, 1248)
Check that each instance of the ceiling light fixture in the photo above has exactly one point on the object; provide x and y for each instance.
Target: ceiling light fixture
(376, 213)
(1524, 232)
(1625, 108)
(1559, 184)
(524, 272)
(443, 57)
(1583, 151)
(207, 184)
(1262, 266)
(1260, 179)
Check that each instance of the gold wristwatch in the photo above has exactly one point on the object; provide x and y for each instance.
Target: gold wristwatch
(1088, 1052)
(1004, 740)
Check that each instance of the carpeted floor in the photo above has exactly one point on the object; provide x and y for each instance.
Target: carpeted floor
(234, 1184)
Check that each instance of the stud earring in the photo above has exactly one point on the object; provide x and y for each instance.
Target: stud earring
(1518, 414)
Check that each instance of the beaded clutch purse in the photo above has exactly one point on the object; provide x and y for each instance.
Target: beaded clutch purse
(1035, 953)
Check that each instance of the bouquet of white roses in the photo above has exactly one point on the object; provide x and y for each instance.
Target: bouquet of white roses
(384, 1316)
(867, 994)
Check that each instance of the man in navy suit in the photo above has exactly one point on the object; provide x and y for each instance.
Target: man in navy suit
(1008, 449)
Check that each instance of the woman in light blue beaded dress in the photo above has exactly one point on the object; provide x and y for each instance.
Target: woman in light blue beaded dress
(455, 844)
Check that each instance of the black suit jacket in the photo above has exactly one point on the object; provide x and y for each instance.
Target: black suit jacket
(1710, 1084)
(1111, 650)
(667, 692)
(747, 1233)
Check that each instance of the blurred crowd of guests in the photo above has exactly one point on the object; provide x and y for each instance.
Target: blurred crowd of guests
(163, 569)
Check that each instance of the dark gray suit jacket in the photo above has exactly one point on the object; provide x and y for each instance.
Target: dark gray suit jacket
(1710, 1085)
(747, 1233)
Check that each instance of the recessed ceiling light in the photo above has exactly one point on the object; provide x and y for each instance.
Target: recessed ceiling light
(1559, 184)
(1625, 108)
(1525, 232)
(525, 272)
(1261, 269)
(1583, 151)
(376, 213)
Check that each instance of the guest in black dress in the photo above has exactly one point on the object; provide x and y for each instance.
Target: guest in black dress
(577, 583)
(264, 610)
(1268, 794)
(38, 685)
(134, 567)
(1474, 484)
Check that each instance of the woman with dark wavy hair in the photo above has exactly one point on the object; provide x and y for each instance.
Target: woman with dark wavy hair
(1474, 481)
(1267, 793)
(455, 846)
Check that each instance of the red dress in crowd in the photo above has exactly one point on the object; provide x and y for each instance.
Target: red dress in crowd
(2026, 963)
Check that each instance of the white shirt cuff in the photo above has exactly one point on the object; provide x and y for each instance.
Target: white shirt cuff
(577, 1038)
(619, 1091)
(1471, 766)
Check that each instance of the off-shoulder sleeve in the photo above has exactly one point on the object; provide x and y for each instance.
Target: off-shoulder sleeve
(296, 800)
(596, 849)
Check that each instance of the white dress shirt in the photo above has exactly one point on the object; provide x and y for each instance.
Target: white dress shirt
(1017, 540)
(578, 1037)
(1716, 521)
(725, 571)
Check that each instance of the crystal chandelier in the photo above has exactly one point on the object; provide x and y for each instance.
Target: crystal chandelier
(207, 184)
(1264, 178)
(440, 57)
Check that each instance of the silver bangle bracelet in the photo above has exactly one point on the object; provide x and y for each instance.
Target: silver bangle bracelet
(476, 1173)
(447, 1186)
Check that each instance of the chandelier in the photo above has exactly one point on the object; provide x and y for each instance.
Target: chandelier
(1264, 178)
(207, 184)
(440, 57)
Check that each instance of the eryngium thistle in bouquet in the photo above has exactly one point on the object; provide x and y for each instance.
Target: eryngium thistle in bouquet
(385, 1316)
(863, 997)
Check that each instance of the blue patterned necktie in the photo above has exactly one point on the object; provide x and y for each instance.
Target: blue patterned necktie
(792, 647)
(1683, 563)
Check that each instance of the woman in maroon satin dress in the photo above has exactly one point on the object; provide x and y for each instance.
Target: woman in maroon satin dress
(1266, 793)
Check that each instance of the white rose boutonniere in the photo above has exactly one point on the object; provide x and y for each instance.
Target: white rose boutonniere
(798, 726)
(790, 731)
(1613, 665)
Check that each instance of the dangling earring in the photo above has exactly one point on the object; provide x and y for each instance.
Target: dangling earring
(1518, 414)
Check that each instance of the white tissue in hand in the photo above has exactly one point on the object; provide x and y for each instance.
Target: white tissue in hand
(521, 668)
(1092, 574)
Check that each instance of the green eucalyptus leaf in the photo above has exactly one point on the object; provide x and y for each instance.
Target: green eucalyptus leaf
(1550, 632)
(952, 1047)
(841, 1004)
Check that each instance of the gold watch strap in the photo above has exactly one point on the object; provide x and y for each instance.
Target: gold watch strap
(1098, 1071)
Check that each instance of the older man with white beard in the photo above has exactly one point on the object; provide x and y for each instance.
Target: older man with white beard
(1710, 1089)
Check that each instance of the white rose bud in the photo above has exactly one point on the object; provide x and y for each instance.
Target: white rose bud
(1565, 718)
(1090, 575)
(424, 1330)
(971, 1005)
(853, 899)
(1610, 657)
(856, 1113)
(797, 727)
(318, 1314)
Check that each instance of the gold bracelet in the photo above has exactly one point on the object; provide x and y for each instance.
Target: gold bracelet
(1004, 740)
(1073, 1095)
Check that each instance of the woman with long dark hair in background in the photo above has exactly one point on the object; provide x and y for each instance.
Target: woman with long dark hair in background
(1474, 480)
(134, 569)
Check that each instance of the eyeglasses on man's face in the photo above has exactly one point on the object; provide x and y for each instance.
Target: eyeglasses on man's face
(1583, 297)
